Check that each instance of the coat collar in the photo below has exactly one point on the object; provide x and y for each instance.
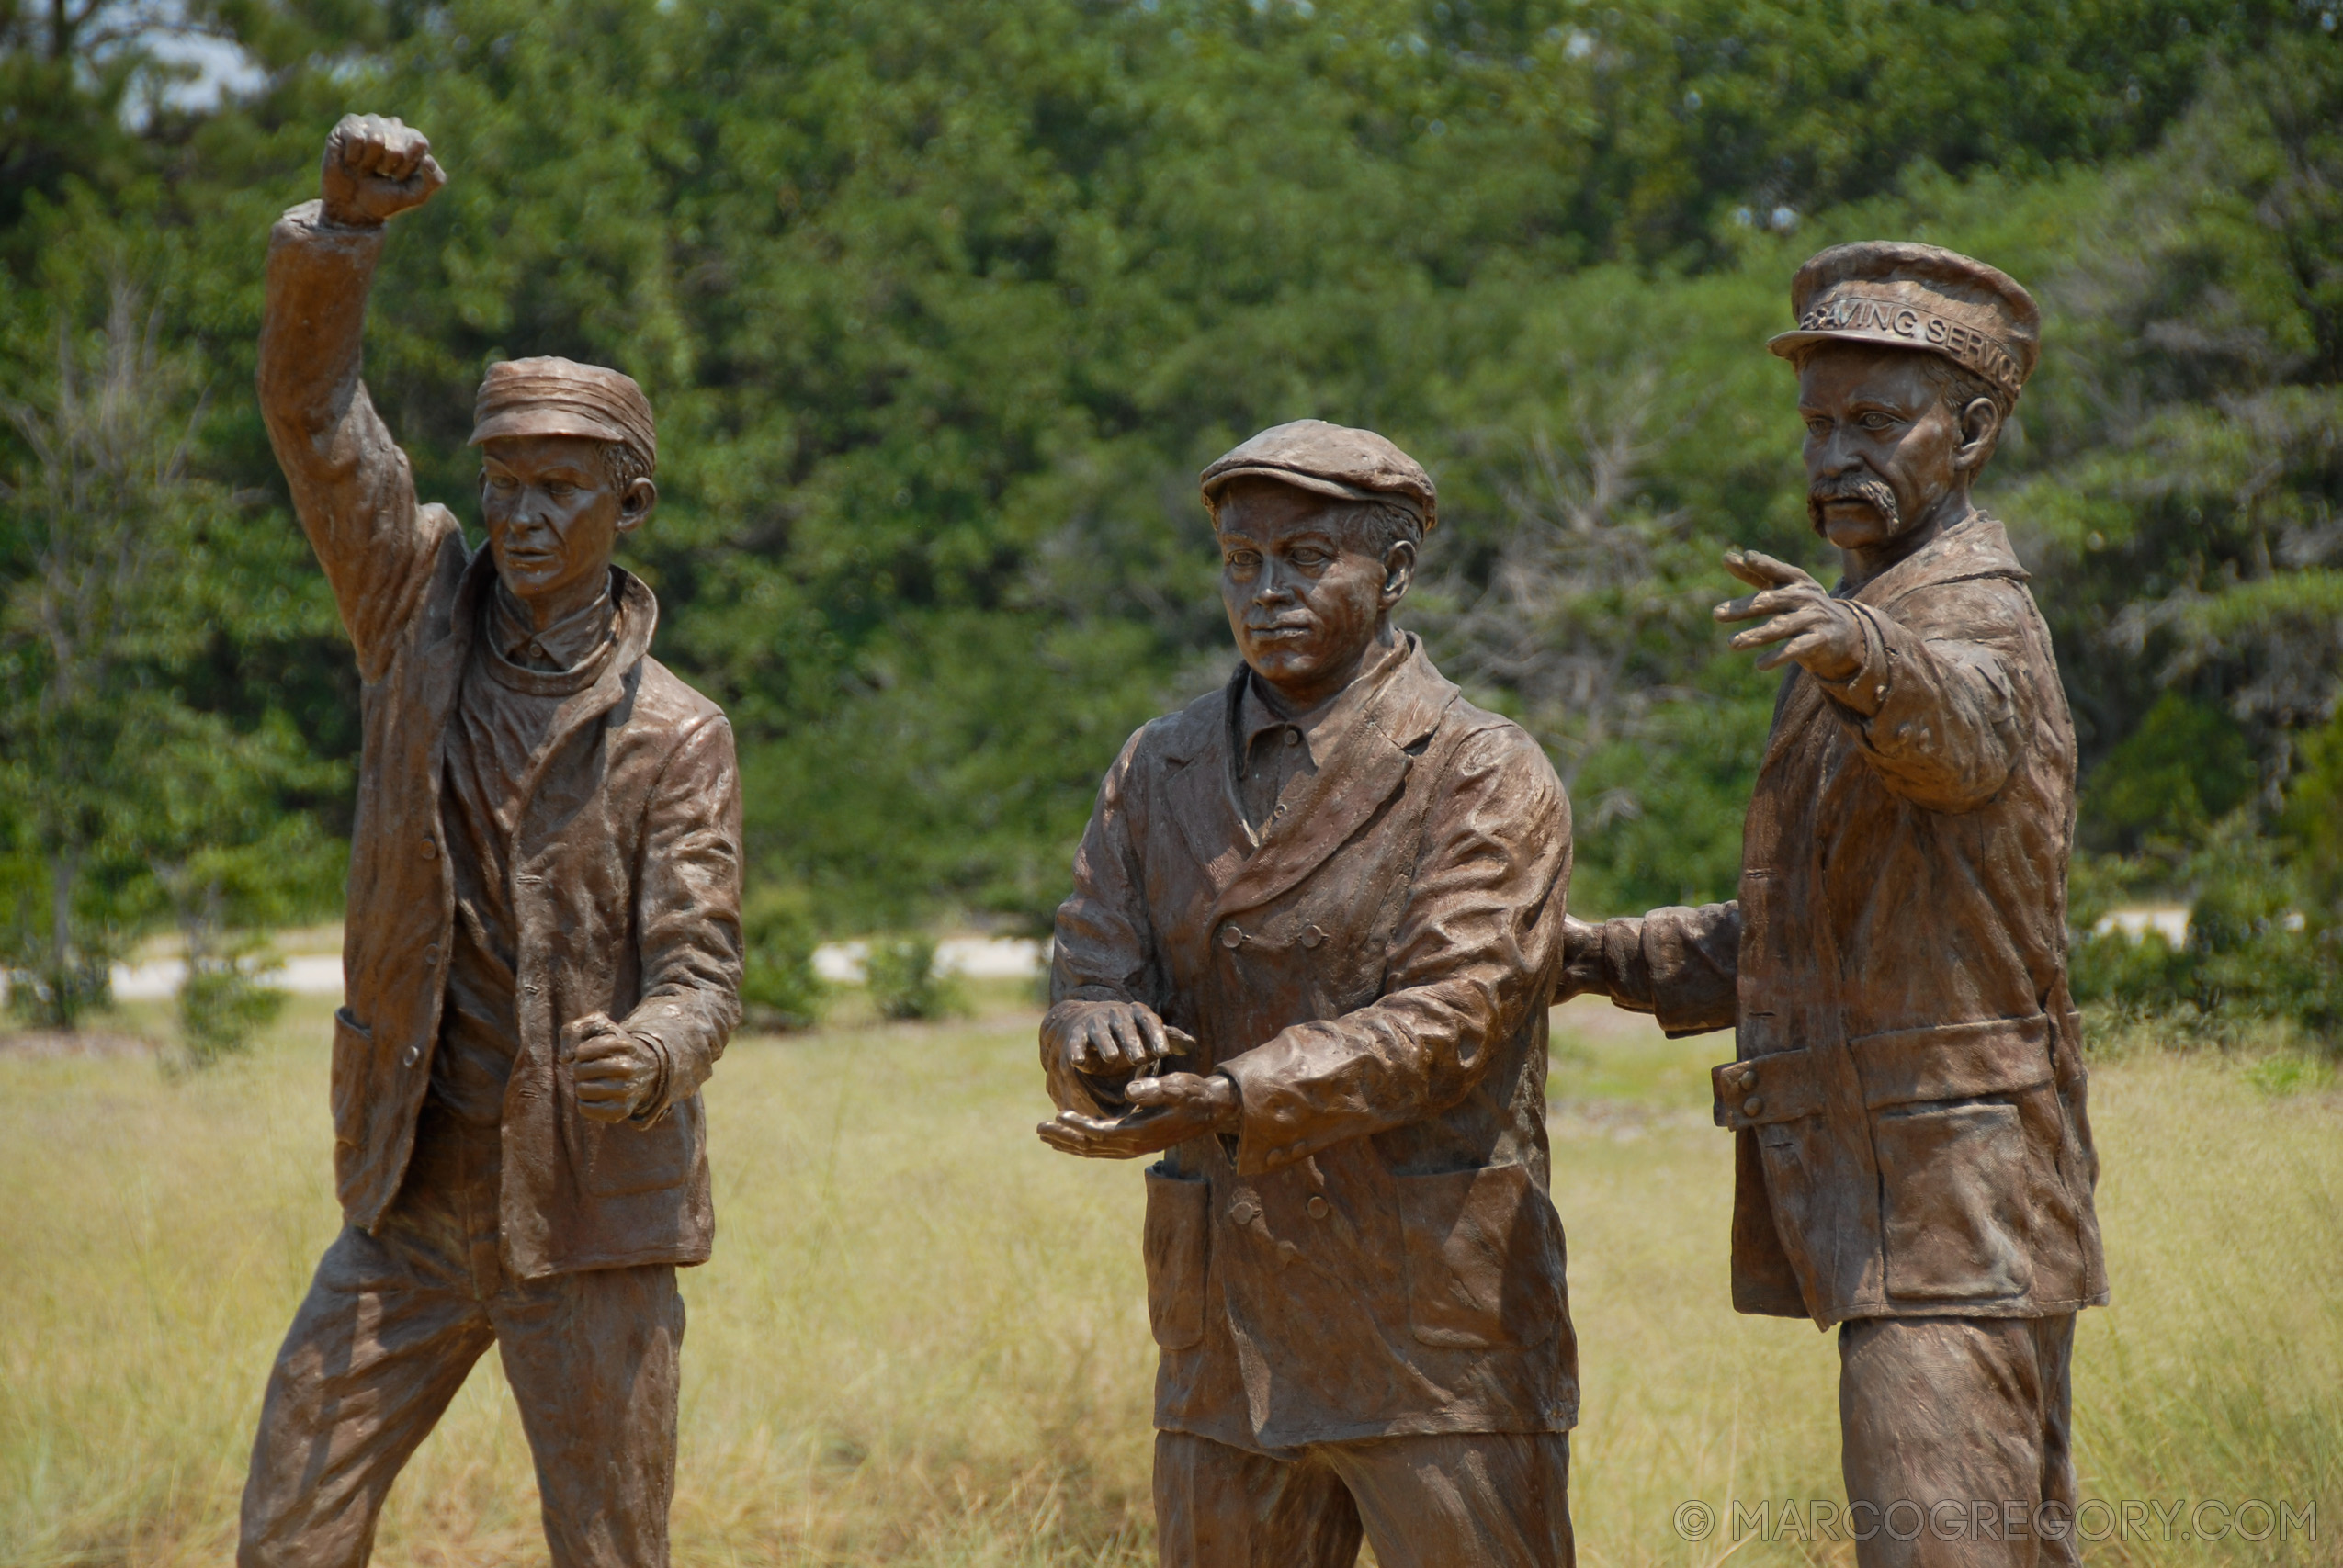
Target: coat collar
(1364, 762)
(1978, 547)
(637, 619)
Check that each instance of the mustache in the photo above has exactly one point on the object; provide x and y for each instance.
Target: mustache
(1875, 493)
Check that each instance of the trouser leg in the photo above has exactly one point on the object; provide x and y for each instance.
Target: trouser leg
(1956, 1440)
(1461, 1500)
(378, 1347)
(593, 1360)
(1217, 1506)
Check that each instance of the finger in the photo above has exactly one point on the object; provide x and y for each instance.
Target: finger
(1068, 1141)
(1178, 1042)
(1773, 601)
(1125, 1033)
(405, 156)
(1152, 1036)
(1791, 653)
(1776, 630)
(593, 1069)
(431, 173)
(1762, 570)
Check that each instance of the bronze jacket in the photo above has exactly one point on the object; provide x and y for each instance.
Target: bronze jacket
(1374, 1251)
(626, 861)
(1909, 1102)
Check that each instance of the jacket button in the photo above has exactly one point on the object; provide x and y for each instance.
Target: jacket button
(1243, 1211)
(1312, 936)
(1752, 1105)
(1231, 937)
(1292, 738)
(430, 954)
(430, 849)
(1317, 1208)
(411, 1055)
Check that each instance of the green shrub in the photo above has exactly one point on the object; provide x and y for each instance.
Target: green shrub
(2262, 944)
(905, 982)
(222, 1008)
(51, 996)
(779, 989)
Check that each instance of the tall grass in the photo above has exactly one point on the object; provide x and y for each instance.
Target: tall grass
(923, 1339)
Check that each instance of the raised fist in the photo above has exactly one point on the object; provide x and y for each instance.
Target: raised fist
(375, 168)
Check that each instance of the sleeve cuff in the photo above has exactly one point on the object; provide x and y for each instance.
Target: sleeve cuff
(1865, 692)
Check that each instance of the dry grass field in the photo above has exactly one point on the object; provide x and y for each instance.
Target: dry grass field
(922, 1339)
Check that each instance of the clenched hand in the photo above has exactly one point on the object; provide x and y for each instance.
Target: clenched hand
(374, 169)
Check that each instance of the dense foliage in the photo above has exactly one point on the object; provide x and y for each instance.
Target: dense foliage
(943, 303)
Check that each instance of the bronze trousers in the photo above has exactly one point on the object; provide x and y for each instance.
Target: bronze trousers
(1957, 1441)
(1462, 1500)
(393, 1323)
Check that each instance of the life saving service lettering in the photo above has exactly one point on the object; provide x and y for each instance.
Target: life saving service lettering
(1890, 318)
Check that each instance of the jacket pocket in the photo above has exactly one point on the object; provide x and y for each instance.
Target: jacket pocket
(352, 1070)
(1484, 1256)
(1953, 1196)
(1175, 1246)
(624, 1157)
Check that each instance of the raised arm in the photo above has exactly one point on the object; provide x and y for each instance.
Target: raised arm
(351, 484)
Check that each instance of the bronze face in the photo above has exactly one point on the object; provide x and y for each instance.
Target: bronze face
(1305, 601)
(1888, 463)
(554, 517)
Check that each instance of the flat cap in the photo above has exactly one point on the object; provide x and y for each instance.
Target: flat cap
(1923, 297)
(561, 397)
(1332, 459)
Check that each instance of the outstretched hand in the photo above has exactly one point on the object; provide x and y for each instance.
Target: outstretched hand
(1165, 1111)
(374, 168)
(1582, 971)
(1816, 630)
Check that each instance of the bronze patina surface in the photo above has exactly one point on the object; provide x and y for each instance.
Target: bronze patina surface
(1333, 891)
(1914, 1151)
(543, 944)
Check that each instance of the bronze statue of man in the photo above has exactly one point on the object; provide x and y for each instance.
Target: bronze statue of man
(1335, 889)
(1914, 1154)
(543, 953)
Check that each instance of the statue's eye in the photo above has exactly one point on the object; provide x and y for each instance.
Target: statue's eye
(1877, 421)
(1818, 426)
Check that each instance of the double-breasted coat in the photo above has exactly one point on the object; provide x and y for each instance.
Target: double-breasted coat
(1372, 1252)
(626, 864)
(1908, 1099)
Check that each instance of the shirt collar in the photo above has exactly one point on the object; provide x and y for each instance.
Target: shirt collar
(567, 643)
(1328, 719)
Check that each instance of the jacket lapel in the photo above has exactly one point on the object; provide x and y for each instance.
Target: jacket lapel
(1364, 767)
(1202, 799)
